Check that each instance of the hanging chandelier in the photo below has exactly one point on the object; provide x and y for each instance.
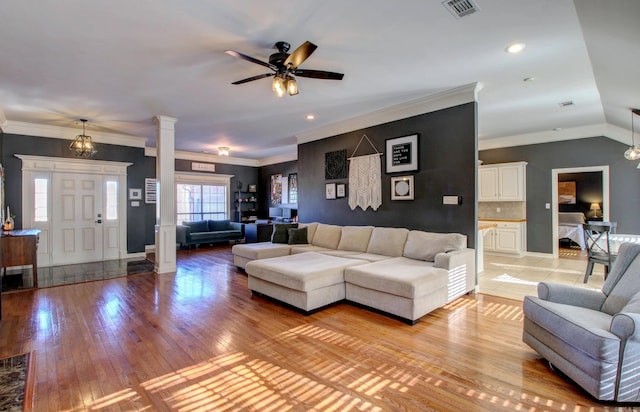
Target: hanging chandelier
(633, 153)
(82, 145)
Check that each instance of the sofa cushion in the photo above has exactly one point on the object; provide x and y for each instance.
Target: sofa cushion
(311, 230)
(280, 234)
(216, 236)
(575, 329)
(297, 236)
(199, 226)
(304, 272)
(215, 225)
(388, 241)
(296, 249)
(399, 276)
(426, 245)
(355, 238)
(327, 236)
(261, 250)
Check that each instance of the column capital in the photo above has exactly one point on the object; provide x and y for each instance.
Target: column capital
(164, 121)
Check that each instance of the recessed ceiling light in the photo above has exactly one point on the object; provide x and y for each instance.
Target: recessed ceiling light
(310, 117)
(514, 48)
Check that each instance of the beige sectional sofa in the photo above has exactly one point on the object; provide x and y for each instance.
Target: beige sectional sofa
(405, 273)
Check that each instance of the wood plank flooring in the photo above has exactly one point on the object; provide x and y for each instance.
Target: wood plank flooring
(198, 340)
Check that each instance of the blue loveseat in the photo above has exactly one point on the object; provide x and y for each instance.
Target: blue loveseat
(208, 231)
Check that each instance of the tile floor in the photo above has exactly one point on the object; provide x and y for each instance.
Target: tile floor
(517, 277)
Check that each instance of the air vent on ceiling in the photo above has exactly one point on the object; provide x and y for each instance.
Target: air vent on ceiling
(567, 103)
(461, 8)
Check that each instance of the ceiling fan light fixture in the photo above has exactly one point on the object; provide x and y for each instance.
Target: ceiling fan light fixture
(633, 153)
(292, 86)
(515, 48)
(82, 145)
(278, 86)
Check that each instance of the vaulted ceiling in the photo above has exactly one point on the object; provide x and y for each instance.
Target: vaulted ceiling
(120, 63)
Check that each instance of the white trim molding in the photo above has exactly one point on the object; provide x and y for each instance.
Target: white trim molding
(68, 133)
(427, 104)
(205, 157)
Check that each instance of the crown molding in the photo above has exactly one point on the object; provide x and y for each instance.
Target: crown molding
(67, 133)
(582, 132)
(286, 157)
(437, 101)
(205, 157)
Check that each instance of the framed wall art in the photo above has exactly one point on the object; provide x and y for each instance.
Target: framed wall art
(402, 154)
(341, 190)
(330, 191)
(402, 188)
(335, 165)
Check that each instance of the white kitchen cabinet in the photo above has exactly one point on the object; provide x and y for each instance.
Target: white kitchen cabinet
(506, 237)
(503, 182)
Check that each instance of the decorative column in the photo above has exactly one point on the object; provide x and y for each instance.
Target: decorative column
(165, 228)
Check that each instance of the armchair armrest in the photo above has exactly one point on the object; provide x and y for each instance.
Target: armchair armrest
(182, 234)
(571, 295)
(626, 325)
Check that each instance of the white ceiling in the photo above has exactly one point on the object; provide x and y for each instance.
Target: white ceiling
(120, 63)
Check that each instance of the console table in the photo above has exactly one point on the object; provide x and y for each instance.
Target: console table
(258, 232)
(20, 247)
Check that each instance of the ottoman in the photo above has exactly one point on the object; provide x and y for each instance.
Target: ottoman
(244, 253)
(307, 281)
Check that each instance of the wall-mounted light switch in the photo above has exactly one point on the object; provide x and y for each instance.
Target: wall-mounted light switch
(547, 205)
(450, 200)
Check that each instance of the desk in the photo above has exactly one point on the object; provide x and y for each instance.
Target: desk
(20, 247)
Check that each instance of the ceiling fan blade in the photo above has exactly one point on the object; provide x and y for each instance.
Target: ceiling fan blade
(250, 59)
(318, 74)
(250, 79)
(299, 55)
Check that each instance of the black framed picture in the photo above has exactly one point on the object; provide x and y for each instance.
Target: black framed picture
(335, 165)
(402, 154)
(341, 190)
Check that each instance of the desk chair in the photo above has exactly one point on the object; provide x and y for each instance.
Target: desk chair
(597, 242)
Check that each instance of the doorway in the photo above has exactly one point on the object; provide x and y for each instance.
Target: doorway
(590, 198)
(78, 205)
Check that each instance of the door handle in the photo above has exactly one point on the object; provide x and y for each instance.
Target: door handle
(99, 221)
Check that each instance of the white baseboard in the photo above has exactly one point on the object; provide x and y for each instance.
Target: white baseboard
(540, 255)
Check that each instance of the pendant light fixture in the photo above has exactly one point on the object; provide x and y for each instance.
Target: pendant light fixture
(82, 144)
(633, 153)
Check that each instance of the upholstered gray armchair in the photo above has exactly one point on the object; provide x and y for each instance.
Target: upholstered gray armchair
(592, 336)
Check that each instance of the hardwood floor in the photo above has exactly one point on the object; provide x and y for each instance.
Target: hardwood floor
(198, 340)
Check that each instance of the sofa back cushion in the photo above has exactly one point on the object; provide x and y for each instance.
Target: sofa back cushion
(280, 232)
(219, 225)
(426, 245)
(199, 226)
(327, 236)
(387, 241)
(355, 238)
(311, 230)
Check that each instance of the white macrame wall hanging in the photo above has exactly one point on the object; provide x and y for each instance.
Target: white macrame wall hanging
(365, 179)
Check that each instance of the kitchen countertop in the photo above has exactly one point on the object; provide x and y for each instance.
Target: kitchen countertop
(484, 226)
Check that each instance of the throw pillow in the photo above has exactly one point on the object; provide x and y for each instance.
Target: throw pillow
(197, 227)
(298, 236)
(280, 234)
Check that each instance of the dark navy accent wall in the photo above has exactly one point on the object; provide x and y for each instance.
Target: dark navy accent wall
(624, 181)
(447, 166)
(41, 146)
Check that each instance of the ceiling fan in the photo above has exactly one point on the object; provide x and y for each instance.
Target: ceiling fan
(285, 67)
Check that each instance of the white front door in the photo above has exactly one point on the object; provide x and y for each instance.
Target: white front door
(77, 214)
